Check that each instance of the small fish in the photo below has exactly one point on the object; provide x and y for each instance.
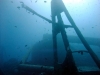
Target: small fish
(11, 1)
(35, 1)
(45, 58)
(31, 1)
(21, 2)
(18, 7)
(25, 45)
(16, 26)
(45, 1)
(92, 27)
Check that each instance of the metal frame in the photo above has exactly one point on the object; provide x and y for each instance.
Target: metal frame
(68, 66)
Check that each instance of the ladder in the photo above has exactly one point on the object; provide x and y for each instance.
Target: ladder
(68, 66)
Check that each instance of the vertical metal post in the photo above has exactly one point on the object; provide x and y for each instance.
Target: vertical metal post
(69, 66)
(54, 37)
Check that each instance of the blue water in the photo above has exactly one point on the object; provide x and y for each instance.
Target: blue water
(21, 31)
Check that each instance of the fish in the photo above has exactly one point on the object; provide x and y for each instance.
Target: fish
(11, 1)
(25, 45)
(35, 1)
(21, 2)
(18, 7)
(16, 26)
(92, 27)
(45, 1)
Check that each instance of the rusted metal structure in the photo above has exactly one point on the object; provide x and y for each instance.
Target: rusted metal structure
(68, 67)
